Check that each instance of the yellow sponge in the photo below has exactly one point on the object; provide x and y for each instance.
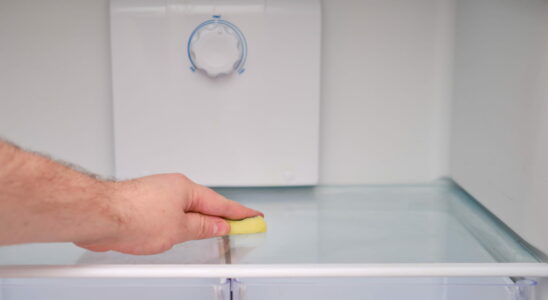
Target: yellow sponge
(246, 226)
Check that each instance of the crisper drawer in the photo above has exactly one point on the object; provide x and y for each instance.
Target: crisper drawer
(114, 289)
(384, 288)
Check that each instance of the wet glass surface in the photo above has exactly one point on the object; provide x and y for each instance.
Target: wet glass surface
(430, 223)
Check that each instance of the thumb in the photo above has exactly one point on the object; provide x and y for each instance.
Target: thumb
(200, 226)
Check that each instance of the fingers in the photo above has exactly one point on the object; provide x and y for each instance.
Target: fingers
(208, 202)
(200, 226)
(93, 247)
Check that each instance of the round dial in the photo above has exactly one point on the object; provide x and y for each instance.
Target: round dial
(217, 47)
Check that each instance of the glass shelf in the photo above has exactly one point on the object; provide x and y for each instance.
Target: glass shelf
(429, 223)
(436, 223)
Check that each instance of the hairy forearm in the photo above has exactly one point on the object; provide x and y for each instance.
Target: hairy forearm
(44, 201)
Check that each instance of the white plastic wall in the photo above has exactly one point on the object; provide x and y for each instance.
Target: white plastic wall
(384, 95)
(386, 69)
(499, 142)
(55, 79)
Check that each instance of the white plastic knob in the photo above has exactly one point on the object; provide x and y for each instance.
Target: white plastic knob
(216, 49)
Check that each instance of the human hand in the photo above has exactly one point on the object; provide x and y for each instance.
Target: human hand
(156, 212)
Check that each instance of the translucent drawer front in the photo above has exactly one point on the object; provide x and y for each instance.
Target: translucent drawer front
(114, 289)
(269, 288)
(384, 288)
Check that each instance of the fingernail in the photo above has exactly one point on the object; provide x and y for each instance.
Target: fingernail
(221, 227)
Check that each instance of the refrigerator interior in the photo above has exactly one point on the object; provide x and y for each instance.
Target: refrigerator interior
(411, 91)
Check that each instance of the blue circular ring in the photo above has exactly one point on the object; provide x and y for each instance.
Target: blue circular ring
(216, 20)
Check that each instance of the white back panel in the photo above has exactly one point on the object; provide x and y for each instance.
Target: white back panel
(383, 63)
(257, 128)
(55, 80)
(499, 142)
(385, 91)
